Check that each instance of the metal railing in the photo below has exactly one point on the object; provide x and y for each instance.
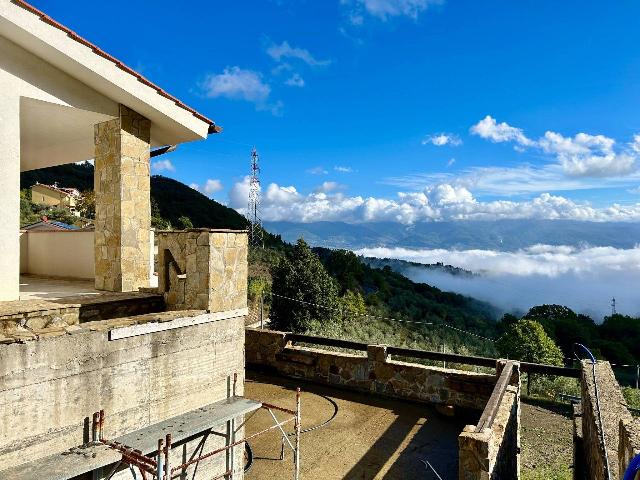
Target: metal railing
(525, 367)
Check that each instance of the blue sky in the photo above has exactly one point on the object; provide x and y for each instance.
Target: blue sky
(401, 110)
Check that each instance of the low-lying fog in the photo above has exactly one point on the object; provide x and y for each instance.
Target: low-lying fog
(584, 279)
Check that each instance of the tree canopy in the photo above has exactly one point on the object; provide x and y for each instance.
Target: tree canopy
(527, 341)
(301, 276)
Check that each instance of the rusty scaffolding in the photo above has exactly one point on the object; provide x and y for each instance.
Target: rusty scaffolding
(158, 466)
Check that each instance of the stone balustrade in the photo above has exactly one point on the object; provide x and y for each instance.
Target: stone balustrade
(203, 269)
(374, 372)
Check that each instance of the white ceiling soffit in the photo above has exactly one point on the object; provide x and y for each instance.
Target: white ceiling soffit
(171, 124)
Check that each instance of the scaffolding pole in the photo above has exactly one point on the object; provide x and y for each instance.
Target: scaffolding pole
(159, 466)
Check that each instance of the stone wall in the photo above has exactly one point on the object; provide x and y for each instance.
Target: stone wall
(629, 444)
(375, 372)
(203, 269)
(494, 452)
(613, 409)
(123, 206)
(50, 385)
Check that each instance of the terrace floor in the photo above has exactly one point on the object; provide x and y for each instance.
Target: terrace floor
(370, 438)
(33, 287)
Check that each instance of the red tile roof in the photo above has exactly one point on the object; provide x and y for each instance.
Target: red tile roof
(47, 19)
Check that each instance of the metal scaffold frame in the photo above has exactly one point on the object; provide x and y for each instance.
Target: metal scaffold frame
(159, 467)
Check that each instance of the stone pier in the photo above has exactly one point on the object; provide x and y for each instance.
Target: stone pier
(123, 206)
(203, 269)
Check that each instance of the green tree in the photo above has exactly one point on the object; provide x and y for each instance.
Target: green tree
(87, 204)
(185, 222)
(300, 276)
(353, 305)
(564, 325)
(527, 341)
(157, 221)
(28, 214)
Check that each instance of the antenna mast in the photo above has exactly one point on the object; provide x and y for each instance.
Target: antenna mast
(256, 233)
(613, 306)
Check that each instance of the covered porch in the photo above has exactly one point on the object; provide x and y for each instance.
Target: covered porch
(63, 100)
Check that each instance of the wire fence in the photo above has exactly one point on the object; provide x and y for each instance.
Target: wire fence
(391, 319)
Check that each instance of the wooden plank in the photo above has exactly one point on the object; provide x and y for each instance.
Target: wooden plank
(79, 460)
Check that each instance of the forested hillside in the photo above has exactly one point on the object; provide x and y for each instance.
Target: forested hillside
(173, 202)
(335, 293)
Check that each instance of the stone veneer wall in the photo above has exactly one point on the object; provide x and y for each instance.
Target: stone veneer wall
(50, 385)
(375, 373)
(211, 271)
(614, 411)
(123, 208)
(494, 453)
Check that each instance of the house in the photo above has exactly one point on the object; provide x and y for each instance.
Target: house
(64, 100)
(54, 196)
(71, 351)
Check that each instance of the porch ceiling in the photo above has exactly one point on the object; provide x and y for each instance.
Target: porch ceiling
(52, 134)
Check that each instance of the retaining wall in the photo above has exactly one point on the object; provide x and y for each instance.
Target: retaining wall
(51, 383)
(374, 372)
(620, 430)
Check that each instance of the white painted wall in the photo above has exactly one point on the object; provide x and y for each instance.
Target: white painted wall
(23, 76)
(63, 254)
(9, 194)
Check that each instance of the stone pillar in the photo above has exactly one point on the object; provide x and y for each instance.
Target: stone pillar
(10, 198)
(123, 205)
(202, 269)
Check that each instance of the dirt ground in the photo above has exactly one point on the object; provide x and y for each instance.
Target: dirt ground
(547, 443)
(369, 438)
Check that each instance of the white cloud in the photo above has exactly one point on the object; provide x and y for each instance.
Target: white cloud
(587, 155)
(295, 81)
(442, 201)
(327, 187)
(384, 9)
(163, 165)
(212, 186)
(284, 50)
(442, 139)
(583, 155)
(488, 128)
(195, 186)
(584, 279)
(239, 195)
(236, 83)
(342, 169)
(451, 162)
(319, 170)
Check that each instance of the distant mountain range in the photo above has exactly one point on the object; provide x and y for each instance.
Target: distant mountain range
(504, 235)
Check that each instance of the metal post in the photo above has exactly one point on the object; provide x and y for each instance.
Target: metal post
(167, 457)
(296, 453)
(235, 383)
(101, 425)
(261, 310)
(160, 469)
(94, 427)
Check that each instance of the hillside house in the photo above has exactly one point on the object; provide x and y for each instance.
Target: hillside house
(55, 196)
(145, 359)
(64, 100)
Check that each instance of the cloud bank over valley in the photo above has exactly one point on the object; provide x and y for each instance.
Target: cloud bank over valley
(584, 279)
